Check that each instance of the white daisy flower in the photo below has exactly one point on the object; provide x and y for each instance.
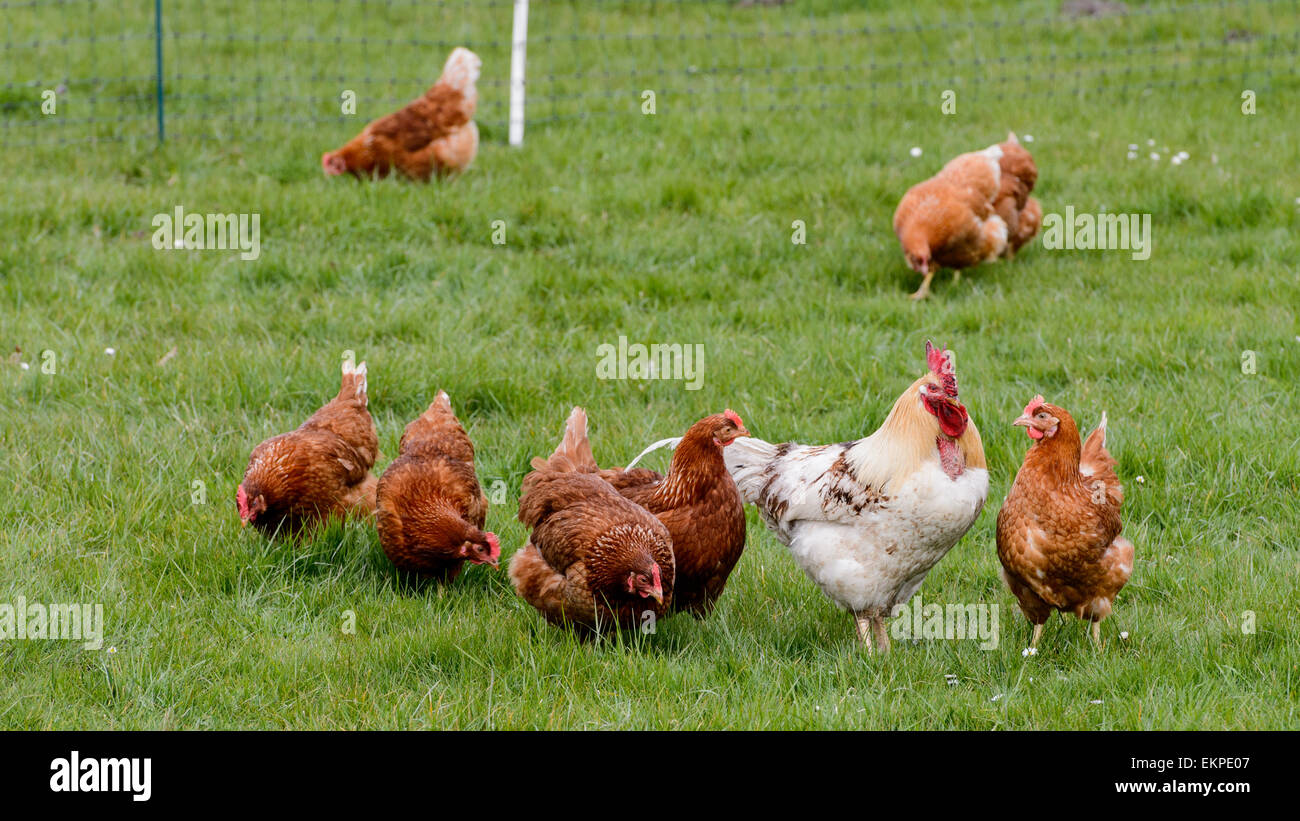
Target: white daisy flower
(916, 151)
(110, 351)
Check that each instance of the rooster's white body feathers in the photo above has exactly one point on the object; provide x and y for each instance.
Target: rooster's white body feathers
(867, 546)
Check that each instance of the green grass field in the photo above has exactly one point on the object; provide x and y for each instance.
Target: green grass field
(674, 227)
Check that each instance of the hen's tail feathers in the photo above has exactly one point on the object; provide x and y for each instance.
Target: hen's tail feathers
(573, 454)
(461, 70)
(354, 382)
(1095, 460)
(670, 443)
(1095, 457)
(747, 461)
(439, 410)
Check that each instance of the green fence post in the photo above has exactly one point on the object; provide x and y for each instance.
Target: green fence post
(158, 65)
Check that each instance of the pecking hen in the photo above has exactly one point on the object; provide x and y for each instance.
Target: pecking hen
(434, 133)
(867, 520)
(948, 221)
(593, 560)
(431, 510)
(1059, 528)
(322, 469)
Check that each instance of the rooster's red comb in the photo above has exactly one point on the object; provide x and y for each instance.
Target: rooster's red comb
(942, 365)
(1034, 404)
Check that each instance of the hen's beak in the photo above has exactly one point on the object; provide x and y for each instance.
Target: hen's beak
(742, 432)
(1023, 421)
(657, 594)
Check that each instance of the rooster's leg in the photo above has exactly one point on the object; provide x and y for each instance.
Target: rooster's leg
(864, 630)
(924, 290)
(1038, 634)
(882, 636)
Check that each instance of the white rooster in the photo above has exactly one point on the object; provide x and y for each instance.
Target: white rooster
(866, 520)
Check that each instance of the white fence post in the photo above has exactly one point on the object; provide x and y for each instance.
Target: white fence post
(519, 49)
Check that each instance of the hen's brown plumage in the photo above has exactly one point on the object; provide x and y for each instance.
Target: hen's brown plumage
(1058, 532)
(594, 560)
(432, 133)
(1022, 213)
(431, 509)
(322, 469)
(699, 504)
(948, 221)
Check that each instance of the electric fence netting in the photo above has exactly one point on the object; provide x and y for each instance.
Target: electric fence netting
(78, 71)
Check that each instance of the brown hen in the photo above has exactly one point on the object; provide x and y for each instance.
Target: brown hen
(593, 560)
(433, 133)
(431, 509)
(948, 220)
(322, 469)
(1058, 532)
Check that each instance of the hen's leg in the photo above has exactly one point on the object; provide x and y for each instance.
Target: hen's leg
(1038, 634)
(956, 275)
(1096, 633)
(924, 290)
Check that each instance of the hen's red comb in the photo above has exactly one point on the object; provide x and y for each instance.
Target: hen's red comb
(733, 418)
(1034, 405)
(941, 365)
